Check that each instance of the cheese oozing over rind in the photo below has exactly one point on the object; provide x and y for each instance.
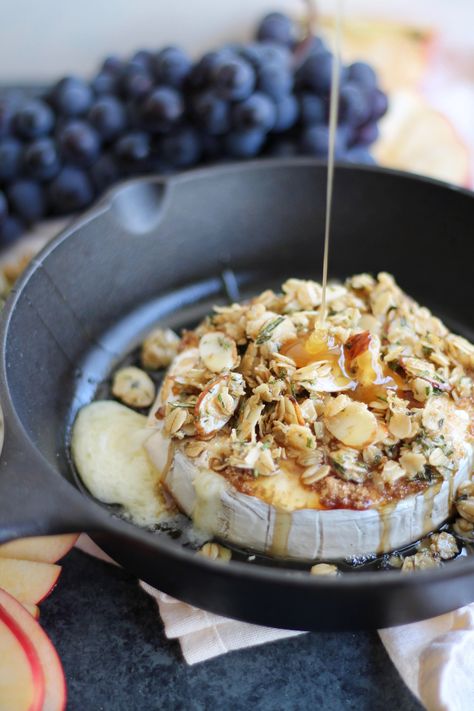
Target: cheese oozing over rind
(107, 448)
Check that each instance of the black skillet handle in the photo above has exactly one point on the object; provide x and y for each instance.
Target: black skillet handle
(34, 499)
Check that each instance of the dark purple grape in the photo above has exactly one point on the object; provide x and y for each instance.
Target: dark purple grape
(27, 200)
(312, 109)
(363, 74)
(162, 109)
(105, 172)
(212, 147)
(10, 230)
(359, 154)
(275, 80)
(315, 141)
(276, 27)
(112, 64)
(282, 148)
(71, 190)
(10, 158)
(314, 45)
(135, 83)
(256, 112)
(41, 159)
(367, 134)
(3, 207)
(108, 116)
(316, 72)
(200, 75)
(354, 104)
(244, 144)
(181, 148)
(379, 105)
(34, 119)
(260, 53)
(211, 113)
(7, 113)
(105, 83)
(171, 67)
(133, 150)
(233, 79)
(71, 96)
(287, 111)
(142, 59)
(79, 143)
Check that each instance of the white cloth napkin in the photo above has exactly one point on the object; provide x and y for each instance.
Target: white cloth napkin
(435, 658)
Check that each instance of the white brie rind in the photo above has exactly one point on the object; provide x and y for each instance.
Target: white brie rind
(305, 534)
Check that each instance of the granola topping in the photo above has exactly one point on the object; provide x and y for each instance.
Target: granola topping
(374, 407)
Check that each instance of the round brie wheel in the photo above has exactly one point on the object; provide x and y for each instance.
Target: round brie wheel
(305, 534)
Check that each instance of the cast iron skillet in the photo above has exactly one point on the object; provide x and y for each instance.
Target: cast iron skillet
(153, 251)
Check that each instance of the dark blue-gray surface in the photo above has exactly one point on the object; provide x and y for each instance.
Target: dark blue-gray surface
(116, 657)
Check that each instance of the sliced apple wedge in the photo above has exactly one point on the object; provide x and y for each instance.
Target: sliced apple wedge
(50, 665)
(22, 683)
(44, 549)
(32, 609)
(26, 580)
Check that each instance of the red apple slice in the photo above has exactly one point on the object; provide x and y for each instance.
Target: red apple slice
(26, 580)
(55, 683)
(44, 549)
(22, 682)
(32, 609)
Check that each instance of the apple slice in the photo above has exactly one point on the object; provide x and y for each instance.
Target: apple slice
(32, 609)
(44, 549)
(417, 138)
(22, 682)
(55, 683)
(26, 580)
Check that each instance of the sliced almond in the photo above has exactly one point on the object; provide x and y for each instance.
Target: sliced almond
(212, 410)
(218, 352)
(400, 425)
(354, 425)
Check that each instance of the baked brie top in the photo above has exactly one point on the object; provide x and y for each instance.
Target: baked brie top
(296, 438)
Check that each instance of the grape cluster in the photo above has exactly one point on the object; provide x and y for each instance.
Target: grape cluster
(160, 112)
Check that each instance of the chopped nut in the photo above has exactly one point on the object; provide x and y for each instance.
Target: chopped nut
(413, 463)
(159, 348)
(444, 545)
(194, 448)
(133, 387)
(372, 455)
(463, 527)
(400, 425)
(354, 425)
(348, 465)
(308, 410)
(249, 418)
(218, 352)
(300, 438)
(422, 389)
(465, 501)
(422, 560)
(315, 473)
(174, 420)
(215, 551)
(461, 350)
(324, 569)
(392, 472)
(217, 403)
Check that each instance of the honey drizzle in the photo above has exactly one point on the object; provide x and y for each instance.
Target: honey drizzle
(333, 115)
(281, 534)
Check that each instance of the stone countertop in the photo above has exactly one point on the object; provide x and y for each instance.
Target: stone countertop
(116, 657)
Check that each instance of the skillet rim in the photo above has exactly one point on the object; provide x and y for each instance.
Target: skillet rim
(112, 524)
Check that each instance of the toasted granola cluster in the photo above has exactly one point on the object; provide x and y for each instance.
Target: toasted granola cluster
(371, 405)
